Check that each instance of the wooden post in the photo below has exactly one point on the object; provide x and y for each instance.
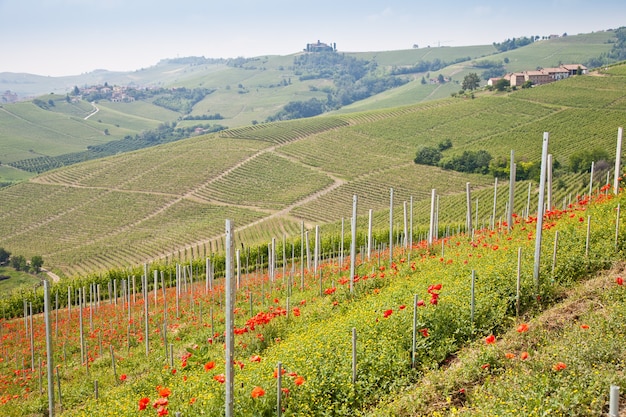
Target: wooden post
(472, 298)
(353, 243)
(495, 201)
(468, 219)
(369, 234)
(229, 292)
(431, 229)
(390, 226)
(354, 355)
(49, 348)
(540, 206)
(618, 159)
(519, 281)
(279, 379)
(512, 174)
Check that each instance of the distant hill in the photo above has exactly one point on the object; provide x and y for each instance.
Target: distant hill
(35, 138)
(171, 200)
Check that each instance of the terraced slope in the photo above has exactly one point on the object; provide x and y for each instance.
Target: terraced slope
(171, 200)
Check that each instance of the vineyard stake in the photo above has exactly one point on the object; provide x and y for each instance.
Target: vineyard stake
(431, 229)
(512, 174)
(614, 400)
(302, 256)
(95, 389)
(229, 292)
(316, 254)
(556, 242)
(410, 228)
(530, 184)
(618, 157)
(390, 226)
(49, 348)
(32, 337)
(144, 284)
(341, 247)
(472, 298)
(238, 260)
(539, 230)
(369, 234)
(495, 200)
(405, 241)
(279, 379)
(414, 331)
(519, 281)
(591, 178)
(353, 242)
(617, 215)
(549, 183)
(354, 355)
(112, 364)
(468, 216)
(80, 329)
(588, 233)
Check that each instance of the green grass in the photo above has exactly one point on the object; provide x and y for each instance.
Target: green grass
(18, 279)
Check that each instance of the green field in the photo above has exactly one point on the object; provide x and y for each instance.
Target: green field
(153, 203)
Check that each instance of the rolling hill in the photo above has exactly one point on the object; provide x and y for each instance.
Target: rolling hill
(170, 201)
(243, 92)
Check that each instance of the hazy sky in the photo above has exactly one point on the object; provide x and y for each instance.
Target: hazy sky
(69, 37)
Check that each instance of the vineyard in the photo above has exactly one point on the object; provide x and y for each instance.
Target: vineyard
(150, 340)
(152, 204)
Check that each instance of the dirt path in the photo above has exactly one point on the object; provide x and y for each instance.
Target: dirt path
(54, 277)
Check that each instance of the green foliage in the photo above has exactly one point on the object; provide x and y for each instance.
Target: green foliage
(471, 81)
(428, 155)
(581, 160)
(182, 99)
(469, 161)
(4, 255)
(513, 43)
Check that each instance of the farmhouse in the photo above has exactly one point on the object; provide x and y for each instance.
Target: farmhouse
(542, 76)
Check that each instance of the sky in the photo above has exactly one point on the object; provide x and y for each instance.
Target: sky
(71, 37)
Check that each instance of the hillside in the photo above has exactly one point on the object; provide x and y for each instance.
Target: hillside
(272, 179)
(56, 132)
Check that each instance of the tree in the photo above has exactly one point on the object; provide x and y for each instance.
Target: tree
(19, 263)
(441, 79)
(471, 81)
(36, 262)
(428, 155)
(502, 84)
(76, 91)
(4, 256)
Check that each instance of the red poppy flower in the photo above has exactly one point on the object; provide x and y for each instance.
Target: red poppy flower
(387, 313)
(255, 358)
(123, 377)
(143, 403)
(296, 311)
(424, 332)
(257, 392)
(329, 291)
(160, 402)
(220, 378)
(510, 355)
(491, 339)
(584, 326)
(619, 281)
(523, 356)
(559, 366)
(282, 372)
(163, 391)
(421, 303)
(522, 328)
(402, 307)
(299, 380)
(162, 411)
(192, 400)
(208, 366)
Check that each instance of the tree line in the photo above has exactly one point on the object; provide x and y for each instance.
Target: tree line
(19, 262)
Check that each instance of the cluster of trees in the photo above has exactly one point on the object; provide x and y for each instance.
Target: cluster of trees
(182, 99)
(215, 116)
(617, 52)
(353, 79)
(426, 66)
(19, 263)
(514, 43)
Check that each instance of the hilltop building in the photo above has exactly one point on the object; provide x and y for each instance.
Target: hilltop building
(542, 76)
(320, 47)
(8, 97)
